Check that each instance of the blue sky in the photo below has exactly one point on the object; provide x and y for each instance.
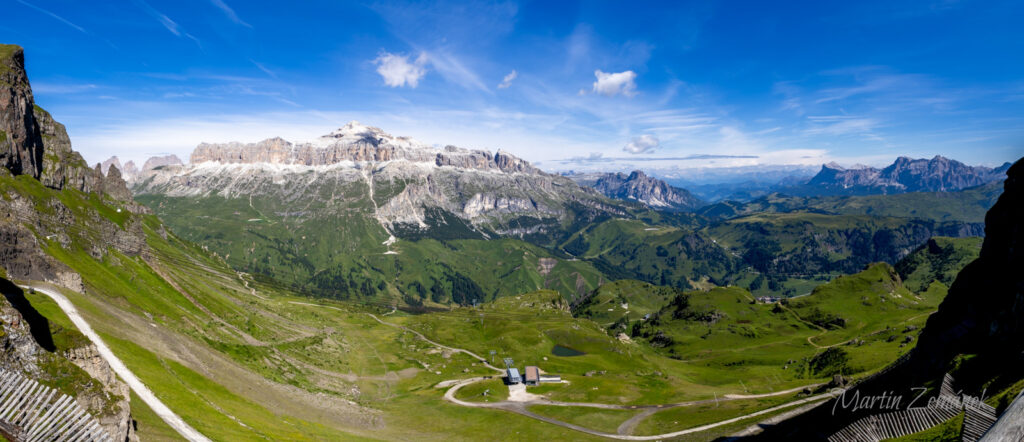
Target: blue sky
(668, 87)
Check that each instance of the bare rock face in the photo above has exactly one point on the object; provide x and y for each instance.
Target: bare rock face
(118, 420)
(115, 186)
(154, 162)
(21, 145)
(63, 167)
(648, 190)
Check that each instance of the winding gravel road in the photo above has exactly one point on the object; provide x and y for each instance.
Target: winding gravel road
(147, 396)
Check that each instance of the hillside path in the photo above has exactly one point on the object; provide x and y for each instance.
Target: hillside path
(147, 396)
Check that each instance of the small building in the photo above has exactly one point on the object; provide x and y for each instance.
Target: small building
(532, 375)
(550, 379)
(512, 375)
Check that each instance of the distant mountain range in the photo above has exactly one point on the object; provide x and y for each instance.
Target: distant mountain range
(938, 174)
(639, 187)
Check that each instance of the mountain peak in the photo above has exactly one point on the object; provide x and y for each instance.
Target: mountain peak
(637, 186)
(356, 130)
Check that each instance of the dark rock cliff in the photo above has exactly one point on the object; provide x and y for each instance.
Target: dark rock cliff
(977, 334)
(33, 143)
(21, 145)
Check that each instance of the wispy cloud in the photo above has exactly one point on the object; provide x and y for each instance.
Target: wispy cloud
(229, 12)
(507, 81)
(51, 14)
(841, 125)
(598, 157)
(454, 70)
(398, 71)
(263, 68)
(51, 88)
(167, 23)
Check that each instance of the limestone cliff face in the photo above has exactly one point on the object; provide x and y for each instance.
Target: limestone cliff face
(358, 144)
(21, 145)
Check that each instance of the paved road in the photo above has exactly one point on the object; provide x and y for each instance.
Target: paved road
(520, 407)
(147, 396)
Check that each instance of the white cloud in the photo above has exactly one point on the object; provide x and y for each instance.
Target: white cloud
(397, 71)
(507, 81)
(611, 84)
(642, 144)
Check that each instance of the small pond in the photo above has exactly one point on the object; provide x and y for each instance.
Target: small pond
(566, 351)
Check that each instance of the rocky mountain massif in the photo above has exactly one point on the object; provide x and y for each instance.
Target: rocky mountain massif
(938, 174)
(88, 208)
(638, 186)
(404, 179)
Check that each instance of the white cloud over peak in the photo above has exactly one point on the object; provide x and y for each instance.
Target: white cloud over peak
(398, 71)
(507, 81)
(615, 83)
(642, 144)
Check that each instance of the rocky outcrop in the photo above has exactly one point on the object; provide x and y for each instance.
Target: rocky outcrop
(651, 191)
(27, 345)
(62, 166)
(21, 145)
(938, 174)
(115, 186)
(117, 421)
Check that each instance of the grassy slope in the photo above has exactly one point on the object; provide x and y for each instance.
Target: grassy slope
(938, 261)
(327, 256)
